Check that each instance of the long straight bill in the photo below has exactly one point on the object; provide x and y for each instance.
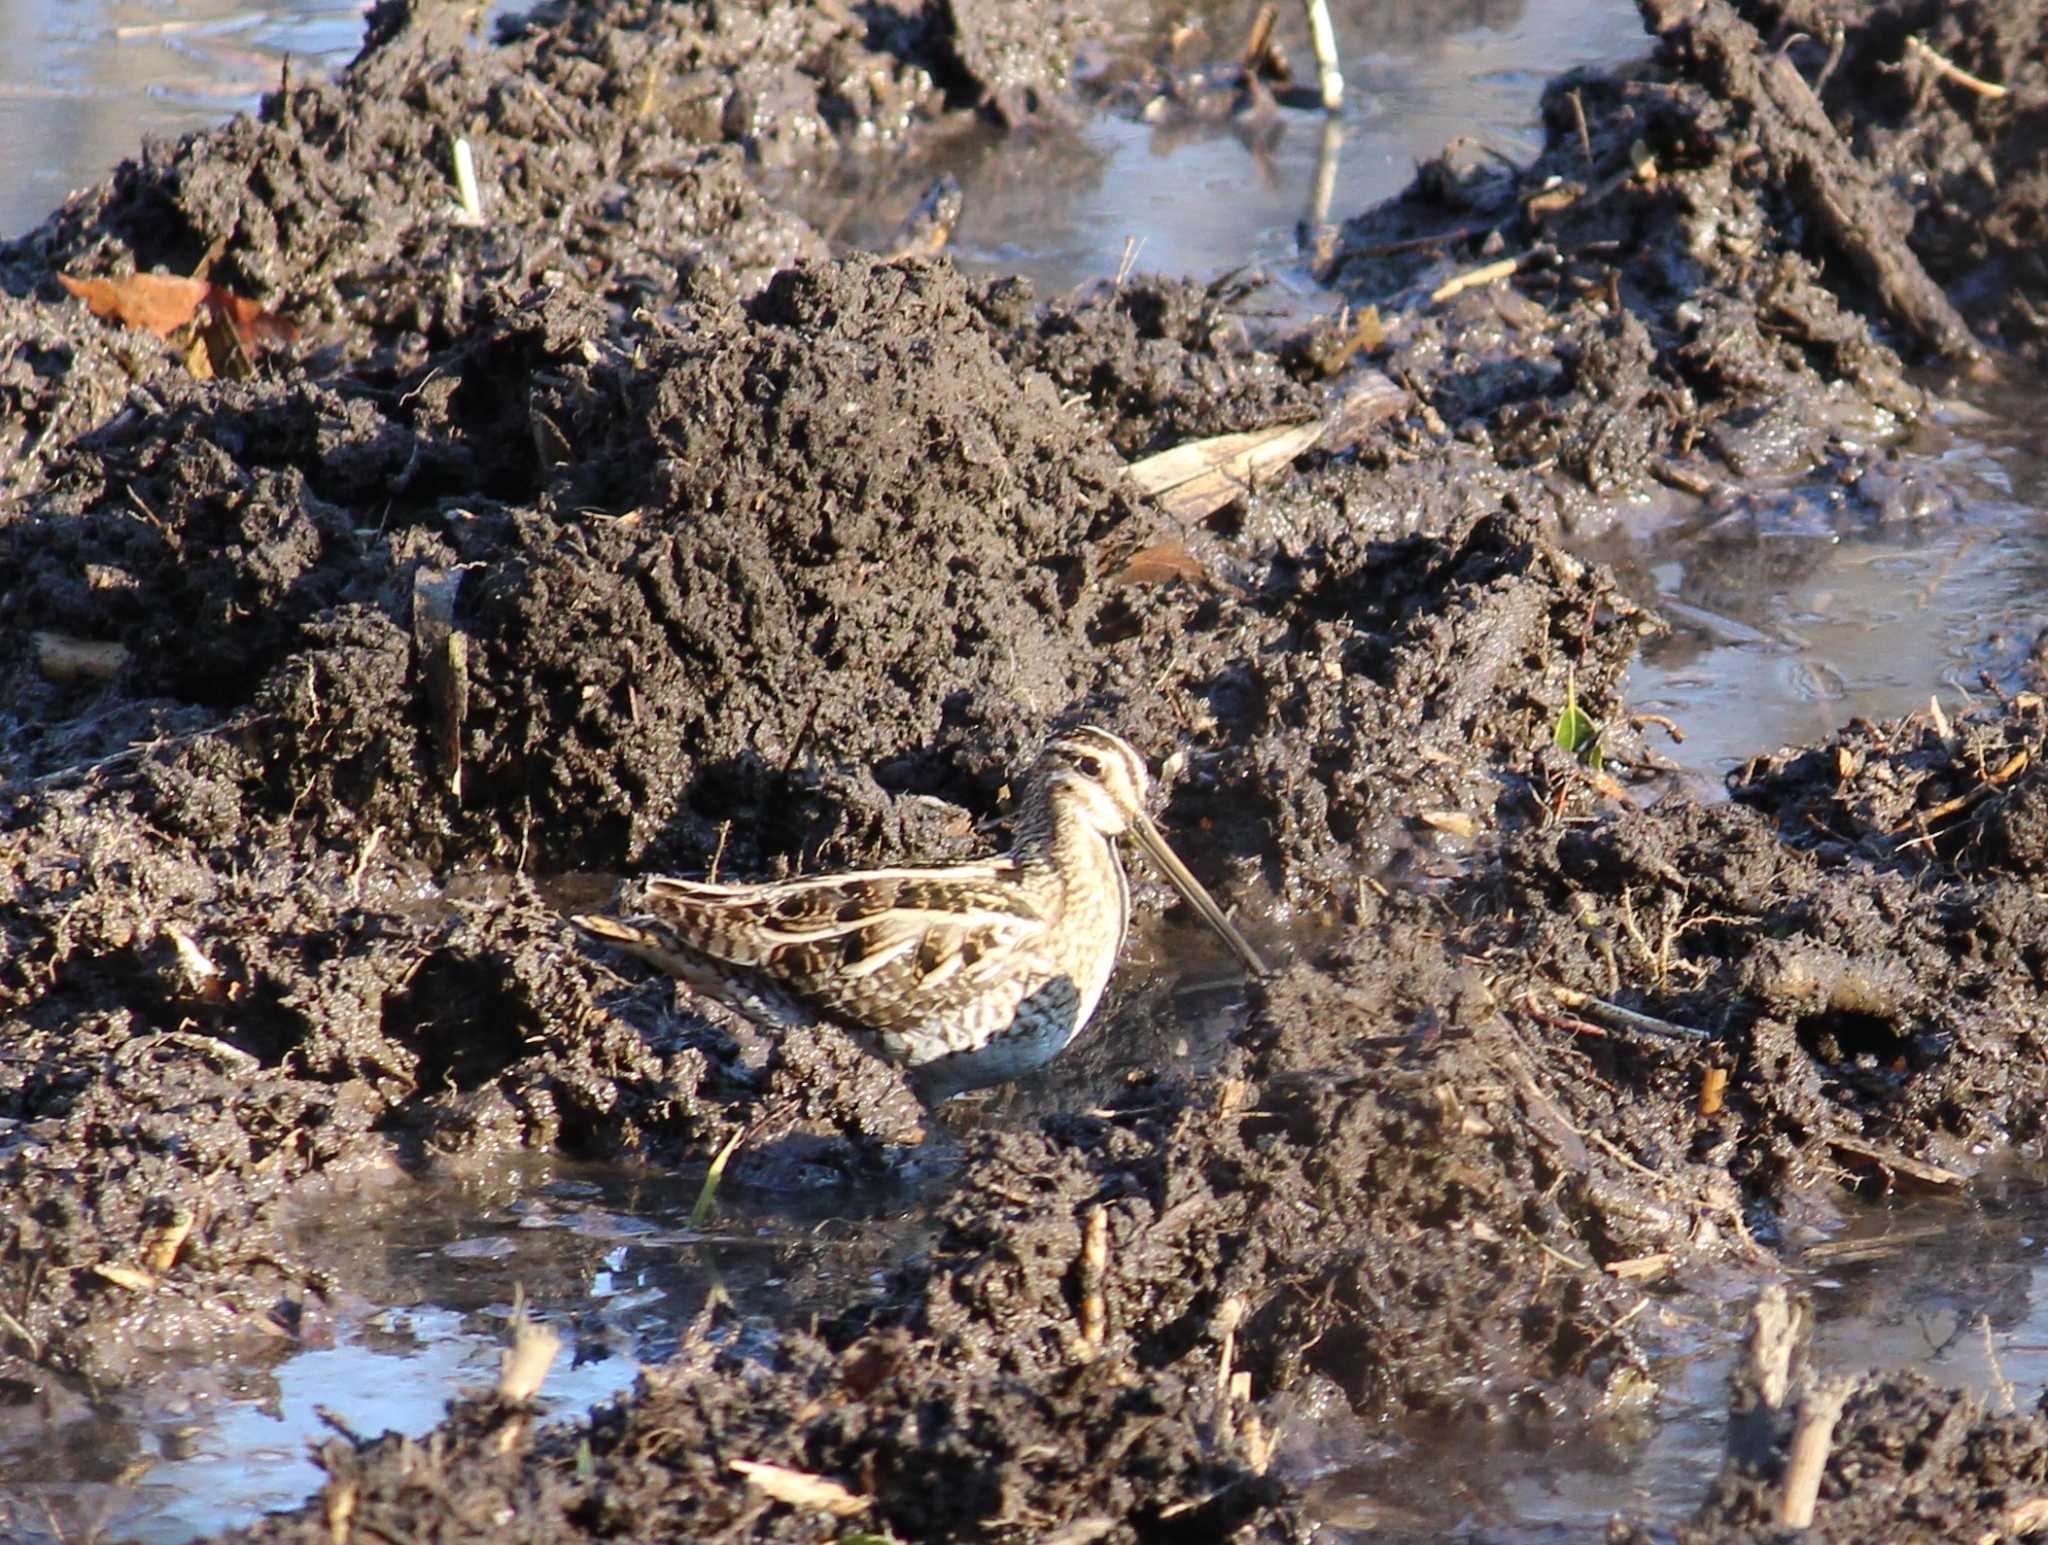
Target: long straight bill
(1184, 881)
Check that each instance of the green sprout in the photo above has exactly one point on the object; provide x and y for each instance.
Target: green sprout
(1576, 732)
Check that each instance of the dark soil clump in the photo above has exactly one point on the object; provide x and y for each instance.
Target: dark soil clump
(1948, 100)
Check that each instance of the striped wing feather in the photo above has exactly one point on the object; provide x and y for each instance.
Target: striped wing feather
(887, 950)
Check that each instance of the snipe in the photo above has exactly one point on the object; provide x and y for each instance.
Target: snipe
(966, 974)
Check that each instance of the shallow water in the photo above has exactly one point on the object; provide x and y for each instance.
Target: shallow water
(1204, 198)
(1955, 1287)
(1805, 607)
(428, 1273)
(82, 81)
(608, 1258)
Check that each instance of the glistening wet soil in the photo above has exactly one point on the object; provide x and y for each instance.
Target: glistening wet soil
(631, 528)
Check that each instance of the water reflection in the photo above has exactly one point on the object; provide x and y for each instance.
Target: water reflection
(426, 1277)
(1800, 608)
(81, 84)
(1956, 1288)
(1199, 197)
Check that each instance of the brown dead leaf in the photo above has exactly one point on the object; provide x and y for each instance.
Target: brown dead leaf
(1161, 563)
(156, 303)
(256, 327)
(814, 1493)
(164, 303)
(868, 1363)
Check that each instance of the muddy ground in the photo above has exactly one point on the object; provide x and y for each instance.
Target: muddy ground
(635, 528)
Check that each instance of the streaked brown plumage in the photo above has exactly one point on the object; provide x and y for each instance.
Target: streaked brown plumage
(966, 974)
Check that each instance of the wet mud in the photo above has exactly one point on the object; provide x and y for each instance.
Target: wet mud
(633, 527)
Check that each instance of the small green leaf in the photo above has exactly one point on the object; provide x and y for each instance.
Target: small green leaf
(1576, 732)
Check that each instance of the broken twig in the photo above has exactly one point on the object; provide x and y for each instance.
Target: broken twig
(1918, 48)
(1322, 37)
(1094, 1272)
(1627, 1019)
(1811, 1439)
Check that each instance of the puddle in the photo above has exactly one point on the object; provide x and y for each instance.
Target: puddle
(427, 1276)
(1201, 199)
(1957, 1289)
(427, 1271)
(82, 81)
(606, 1256)
(1803, 610)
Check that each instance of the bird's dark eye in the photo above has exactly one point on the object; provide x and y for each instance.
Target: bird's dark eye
(1090, 766)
